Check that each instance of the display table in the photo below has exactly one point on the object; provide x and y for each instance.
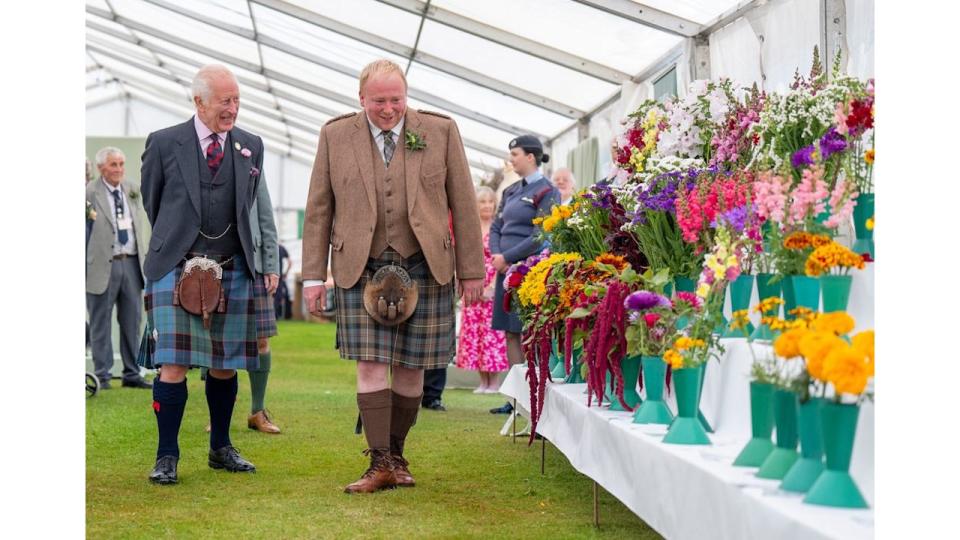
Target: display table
(695, 491)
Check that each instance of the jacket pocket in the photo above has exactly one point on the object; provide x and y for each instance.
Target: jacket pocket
(337, 243)
(435, 178)
(156, 242)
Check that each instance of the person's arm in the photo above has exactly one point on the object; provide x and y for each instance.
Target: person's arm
(151, 178)
(531, 245)
(462, 200)
(496, 226)
(317, 222)
(268, 229)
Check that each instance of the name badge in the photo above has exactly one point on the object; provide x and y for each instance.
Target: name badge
(526, 200)
(125, 224)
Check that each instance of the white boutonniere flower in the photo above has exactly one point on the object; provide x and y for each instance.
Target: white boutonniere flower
(91, 213)
(236, 146)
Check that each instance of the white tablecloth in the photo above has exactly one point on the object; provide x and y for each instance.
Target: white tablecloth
(695, 492)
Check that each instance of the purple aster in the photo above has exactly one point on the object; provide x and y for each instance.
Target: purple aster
(831, 143)
(642, 300)
(736, 218)
(801, 157)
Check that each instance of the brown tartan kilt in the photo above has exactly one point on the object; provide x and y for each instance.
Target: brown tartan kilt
(424, 341)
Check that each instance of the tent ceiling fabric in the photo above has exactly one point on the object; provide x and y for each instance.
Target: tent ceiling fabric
(498, 67)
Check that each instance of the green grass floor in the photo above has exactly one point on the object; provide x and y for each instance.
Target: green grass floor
(472, 483)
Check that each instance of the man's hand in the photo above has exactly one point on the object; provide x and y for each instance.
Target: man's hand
(500, 263)
(315, 298)
(271, 282)
(470, 290)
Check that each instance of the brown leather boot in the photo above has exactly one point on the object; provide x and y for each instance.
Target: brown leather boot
(402, 471)
(261, 422)
(380, 474)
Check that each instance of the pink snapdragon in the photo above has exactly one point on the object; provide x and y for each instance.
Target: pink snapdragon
(770, 196)
(842, 202)
(810, 195)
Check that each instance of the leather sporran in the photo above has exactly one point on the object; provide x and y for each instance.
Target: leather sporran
(390, 297)
(200, 290)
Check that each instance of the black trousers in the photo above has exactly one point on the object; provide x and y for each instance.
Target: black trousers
(434, 381)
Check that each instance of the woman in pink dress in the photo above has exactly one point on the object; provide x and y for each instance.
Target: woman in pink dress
(481, 348)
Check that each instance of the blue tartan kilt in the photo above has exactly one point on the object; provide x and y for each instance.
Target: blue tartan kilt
(173, 336)
(426, 340)
(266, 314)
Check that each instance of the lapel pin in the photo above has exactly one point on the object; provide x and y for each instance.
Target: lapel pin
(236, 145)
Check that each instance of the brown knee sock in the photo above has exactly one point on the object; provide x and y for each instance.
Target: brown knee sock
(403, 417)
(375, 411)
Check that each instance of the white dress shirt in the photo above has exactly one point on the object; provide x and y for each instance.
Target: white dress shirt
(130, 248)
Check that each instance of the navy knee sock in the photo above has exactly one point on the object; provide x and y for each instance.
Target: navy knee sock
(221, 396)
(169, 400)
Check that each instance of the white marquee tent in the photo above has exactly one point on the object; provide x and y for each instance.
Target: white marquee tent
(566, 70)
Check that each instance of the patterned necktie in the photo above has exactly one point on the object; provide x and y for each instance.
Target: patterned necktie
(118, 205)
(388, 146)
(214, 154)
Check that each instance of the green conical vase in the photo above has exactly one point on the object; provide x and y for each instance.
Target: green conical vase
(740, 291)
(653, 410)
(575, 377)
(722, 325)
(806, 292)
(761, 422)
(684, 284)
(557, 370)
(861, 213)
(765, 290)
(835, 291)
(785, 454)
(835, 486)
(631, 373)
(806, 470)
(686, 427)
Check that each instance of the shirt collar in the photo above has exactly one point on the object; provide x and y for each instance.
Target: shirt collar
(397, 129)
(110, 188)
(532, 177)
(203, 132)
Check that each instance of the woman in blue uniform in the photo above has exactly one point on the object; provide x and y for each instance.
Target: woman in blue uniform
(513, 234)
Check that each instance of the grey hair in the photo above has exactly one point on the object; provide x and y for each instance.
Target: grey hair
(487, 190)
(573, 179)
(106, 152)
(200, 87)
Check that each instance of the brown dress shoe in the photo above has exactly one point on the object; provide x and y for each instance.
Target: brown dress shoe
(380, 474)
(401, 469)
(261, 422)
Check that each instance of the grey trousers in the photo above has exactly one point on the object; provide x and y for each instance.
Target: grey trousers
(125, 291)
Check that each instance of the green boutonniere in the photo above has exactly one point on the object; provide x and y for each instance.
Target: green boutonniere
(414, 140)
(133, 194)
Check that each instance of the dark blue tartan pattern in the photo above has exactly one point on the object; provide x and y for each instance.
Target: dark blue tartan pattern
(424, 341)
(173, 336)
(266, 314)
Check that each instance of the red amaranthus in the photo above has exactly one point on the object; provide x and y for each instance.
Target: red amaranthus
(607, 344)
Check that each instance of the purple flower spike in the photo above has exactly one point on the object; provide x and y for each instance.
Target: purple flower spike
(803, 156)
(831, 143)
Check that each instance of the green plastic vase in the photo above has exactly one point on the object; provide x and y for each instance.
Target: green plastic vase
(761, 422)
(653, 410)
(686, 427)
(740, 291)
(784, 454)
(807, 469)
(703, 419)
(835, 486)
(575, 376)
(684, 284)
(722, 325)
(861, 213)
(557, 370)
(804, 291)
(631, 373)
(765, 290)
(835, 292)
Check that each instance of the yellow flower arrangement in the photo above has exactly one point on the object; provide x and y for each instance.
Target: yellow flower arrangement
(673, 355)
(869, 156)
(616, 261)
(863, 342)
(846, 368)
(804, 240)
(740, 319)
(534, 286)
(787, 344)
(815, 346)
(832, 256)
(673, 358)
(837, 323)
(804, 315)
(557, 214)
(768, 305)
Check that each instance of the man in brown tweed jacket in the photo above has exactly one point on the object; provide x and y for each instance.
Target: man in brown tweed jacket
(384, 184)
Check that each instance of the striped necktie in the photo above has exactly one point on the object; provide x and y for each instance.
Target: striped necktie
(388, 146)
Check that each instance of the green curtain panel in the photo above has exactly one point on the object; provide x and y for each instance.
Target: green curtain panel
(584, 161)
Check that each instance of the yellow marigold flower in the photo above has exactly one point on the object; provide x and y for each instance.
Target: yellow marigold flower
(870, 223)
(740, 319)
(682, 343)
(818, 240)
(814, 347)
(674, 358)
(797, 240)
(787, 344)
(837, 323)
(846, 368)
(802, 312)
(768, 304)
(549, 223)
(616, 261)
(863, 343)
(869, 155)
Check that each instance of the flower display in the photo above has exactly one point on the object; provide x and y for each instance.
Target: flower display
(832, 258)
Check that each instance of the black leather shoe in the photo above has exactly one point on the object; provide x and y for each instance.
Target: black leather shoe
(506, 409)
(435, 405)
(105, 385)
(165, 470)
(139, 383)
(229, 458)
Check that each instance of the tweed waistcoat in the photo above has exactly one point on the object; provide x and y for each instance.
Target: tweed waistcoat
(218, 207)
(393, 226)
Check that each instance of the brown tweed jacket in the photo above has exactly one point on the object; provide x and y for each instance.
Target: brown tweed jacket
(341, 211)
